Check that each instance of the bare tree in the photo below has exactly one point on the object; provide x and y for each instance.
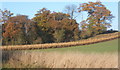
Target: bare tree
(71, 10)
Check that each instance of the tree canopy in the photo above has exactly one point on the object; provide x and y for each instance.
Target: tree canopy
(98, 19)
(49, 26)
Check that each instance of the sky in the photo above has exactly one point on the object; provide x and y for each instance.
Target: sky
(31, 8)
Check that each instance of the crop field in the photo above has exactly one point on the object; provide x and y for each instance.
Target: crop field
(99, 55)
(59, 60)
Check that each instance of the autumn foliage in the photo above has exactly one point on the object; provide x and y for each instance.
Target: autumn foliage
(54, 27)
(99, 18)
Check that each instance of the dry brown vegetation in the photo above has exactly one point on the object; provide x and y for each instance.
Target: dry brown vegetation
(54, 59)
(26, 59)
(96, 39)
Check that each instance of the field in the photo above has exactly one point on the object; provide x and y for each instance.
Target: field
(99, 55)
(103, 47)
(59, 35)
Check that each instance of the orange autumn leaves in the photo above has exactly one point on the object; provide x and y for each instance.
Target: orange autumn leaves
(50, 27)
(11, 30)
(99, 17)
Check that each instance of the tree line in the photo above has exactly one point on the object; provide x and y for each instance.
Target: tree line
(50, 27)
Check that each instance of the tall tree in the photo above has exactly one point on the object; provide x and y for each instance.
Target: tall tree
(99, 17)
(4, 17)
(19, 30)
(52, 24)
(42, 19)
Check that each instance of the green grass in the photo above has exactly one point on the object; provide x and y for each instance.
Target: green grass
(108, 46)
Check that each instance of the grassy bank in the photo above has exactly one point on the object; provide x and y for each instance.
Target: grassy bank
(108, 46)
